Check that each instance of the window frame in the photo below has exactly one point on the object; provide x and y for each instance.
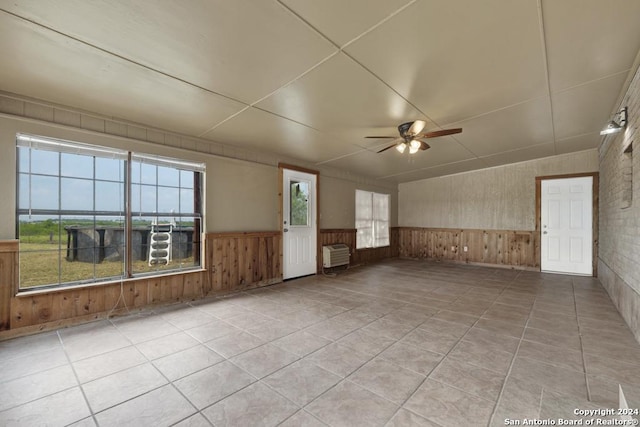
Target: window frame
(371, 223)
(124, 215)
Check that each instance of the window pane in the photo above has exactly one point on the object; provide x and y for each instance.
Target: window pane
(23, 159)
(148, 174)
(148, 198)
(77, 166)
(77, 194)
(187, 179)
(44, 192)
(299, 203)
(40, 246)
(23, 191)
(44, 162)
(168, 200)
(187, 201)
(135, 172)
(168, 176)
(109, 169)
(109, 196)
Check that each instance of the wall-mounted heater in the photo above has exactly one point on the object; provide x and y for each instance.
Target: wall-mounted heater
(335, 255)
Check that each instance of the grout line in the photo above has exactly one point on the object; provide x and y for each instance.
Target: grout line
(584, 362)
(75, 374)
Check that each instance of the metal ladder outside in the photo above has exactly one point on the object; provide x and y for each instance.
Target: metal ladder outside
(160, 243)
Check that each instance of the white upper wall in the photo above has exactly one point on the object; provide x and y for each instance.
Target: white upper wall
(500, 198)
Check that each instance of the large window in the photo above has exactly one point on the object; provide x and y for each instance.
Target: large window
(89, 214)
(372, 219)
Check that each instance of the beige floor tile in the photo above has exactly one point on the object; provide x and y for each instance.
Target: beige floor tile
(519, 399)
(273, 330)
(448, 406)
(480, 355)
(62, 408)
(302, 419)
(166, 345)
(490, 340)
(213, 384)
(108, 363)
(412, 358)
(264, 360)
(231, 345)
(330, 329)
(186, 362)
(301, 382)
(550, 377)
(388, 328)
(472, 379)
(124, 385)
(349, 405)
(612, 369)
(161, 407)
(301, 343)
(499, 327)
(431, 341)
(404, 418)
(197, 420)
(18, 348)
(254, 405)
(32, 363)
(387, 380)
(560, 357)
(25, 389)
(212, 330)
(452, 316)
(366, 342)
(144, 328)
(338, 359)
(571, 342)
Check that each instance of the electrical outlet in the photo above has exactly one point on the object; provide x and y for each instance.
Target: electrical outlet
(466, 249)
(453, 248)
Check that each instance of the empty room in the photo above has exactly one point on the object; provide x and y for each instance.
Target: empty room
(297, 213)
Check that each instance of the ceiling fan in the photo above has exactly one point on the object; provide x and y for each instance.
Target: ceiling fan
(411, 136)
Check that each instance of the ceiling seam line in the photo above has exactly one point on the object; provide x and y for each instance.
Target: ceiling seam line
(545, 58)
(254, 103)
(124, 58)
(592, 81)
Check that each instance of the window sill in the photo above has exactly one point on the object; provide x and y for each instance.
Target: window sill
(50, 290)
(373, 247)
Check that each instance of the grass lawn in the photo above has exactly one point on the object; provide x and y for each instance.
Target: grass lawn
(43, 262)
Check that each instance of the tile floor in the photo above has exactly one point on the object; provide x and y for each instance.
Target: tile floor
(402, 343)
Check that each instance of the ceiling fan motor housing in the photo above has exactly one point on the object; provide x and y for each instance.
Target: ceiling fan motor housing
(403, 129)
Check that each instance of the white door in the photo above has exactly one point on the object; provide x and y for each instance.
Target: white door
(567, 227)
(299, 224)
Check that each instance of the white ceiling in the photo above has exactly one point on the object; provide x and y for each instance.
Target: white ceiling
(310, 79)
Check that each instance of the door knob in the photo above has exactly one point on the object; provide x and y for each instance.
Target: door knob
(544, 232)
(285, 230)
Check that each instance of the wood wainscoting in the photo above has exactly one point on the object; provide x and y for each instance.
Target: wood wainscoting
(331, 236)
(237, 261)
(500, 247)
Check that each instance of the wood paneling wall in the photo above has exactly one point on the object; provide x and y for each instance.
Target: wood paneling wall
(237, 261)
(358, 256)
(8, 279)
(501, 247)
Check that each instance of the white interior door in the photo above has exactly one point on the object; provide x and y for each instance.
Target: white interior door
(567, 225)
(299, 224)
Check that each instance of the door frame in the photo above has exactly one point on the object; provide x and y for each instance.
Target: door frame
(595, 215)
(281, 168)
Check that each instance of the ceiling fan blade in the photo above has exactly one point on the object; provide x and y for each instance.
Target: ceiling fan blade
(380, 137)
(443, 132)
(424, 145)
(395, 142)
(386, 148)
(416, 127)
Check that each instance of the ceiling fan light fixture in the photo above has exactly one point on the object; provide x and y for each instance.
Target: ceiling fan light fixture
(415, 144)
(401, 147)
(413, 150)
